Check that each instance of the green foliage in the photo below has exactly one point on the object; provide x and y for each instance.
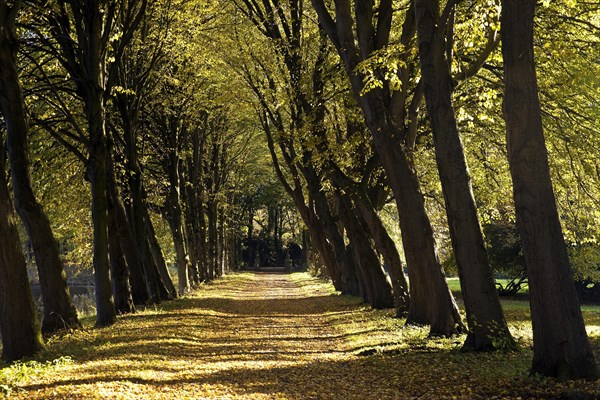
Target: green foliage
(22, 372)
(384, 66)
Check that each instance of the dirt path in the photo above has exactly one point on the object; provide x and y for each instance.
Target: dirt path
(247, 336)
(275, 336)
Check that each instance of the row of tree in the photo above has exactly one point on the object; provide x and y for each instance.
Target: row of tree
(350, 77)
(115, 87)
(367, 112)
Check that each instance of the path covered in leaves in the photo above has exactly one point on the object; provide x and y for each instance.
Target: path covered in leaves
(271, 336)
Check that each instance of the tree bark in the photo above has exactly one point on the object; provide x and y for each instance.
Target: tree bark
(105, 308)
(377, 290)
(19, 326)
(487, 325)
(386, 246)
(175, 220)
(346, 265)
(137, 219)
(96, 118)
(59, 311)
(139, 290)
(192, 235)
(431, 302)
(221, 240)
(164, 283)
(560, 344)
(119, 269)
(211, 216)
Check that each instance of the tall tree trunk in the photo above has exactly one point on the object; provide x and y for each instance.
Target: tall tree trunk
(59, 311)
(431, 301)
(19, 326)
(487, 325)
(202, 246)
(347, 266)
(377, 290)
(105, 308)
(211, 215)
(181, 255)
(190, 232)
(220, 242)
(560, 343)
(386, 246)
(94, 65)
(164, 282)
(138, 221)
(139, 290)
(119, 271)
(305, 249)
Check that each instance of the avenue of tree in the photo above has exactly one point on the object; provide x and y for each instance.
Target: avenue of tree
(378, 135)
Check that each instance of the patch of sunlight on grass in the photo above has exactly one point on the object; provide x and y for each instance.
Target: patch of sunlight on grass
(12, 375)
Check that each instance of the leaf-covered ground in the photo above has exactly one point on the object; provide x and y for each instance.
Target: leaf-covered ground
(276, 336)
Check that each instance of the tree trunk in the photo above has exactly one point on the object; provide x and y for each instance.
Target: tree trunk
(387, 248)
(139, 290)
(211, 215)
(431, 300)
(19, 326)
(560, 343)
(119, 271)
(377, 289)
(487, 325)
(346, 265)
(59, 311)
(164, 282)
(220, 242)
(189, 225)
(202, 239)
(137, 219)
(191, 233)
(182, 258)
(305, 249)
(105, 308)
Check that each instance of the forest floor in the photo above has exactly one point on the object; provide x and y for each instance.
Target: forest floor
(278, 336)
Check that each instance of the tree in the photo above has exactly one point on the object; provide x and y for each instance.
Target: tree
(484, 313)
(357, 268)
(561, 346)
(19, 326)
(83, 30)
(389, 115)
(59, 312)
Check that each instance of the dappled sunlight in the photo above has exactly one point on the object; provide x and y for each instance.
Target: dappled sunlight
(270, 336)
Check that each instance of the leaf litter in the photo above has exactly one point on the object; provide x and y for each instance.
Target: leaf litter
(281, 336)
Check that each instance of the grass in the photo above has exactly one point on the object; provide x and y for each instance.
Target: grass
(270, 336)
(454, 285)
